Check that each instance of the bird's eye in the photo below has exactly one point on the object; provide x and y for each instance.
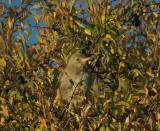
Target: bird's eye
(78, 59)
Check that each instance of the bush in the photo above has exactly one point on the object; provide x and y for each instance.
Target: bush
(122, 36)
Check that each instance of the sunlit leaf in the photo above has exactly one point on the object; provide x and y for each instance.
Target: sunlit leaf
(11, 22)
(108, 36)
(115, 111)
(19, 97)
(13, 93)
(102, 128)
(28, 84)
(141, 92)
(123, 103)
(131, 2)
(5, 110)
(2, 62)
(87, 31)
(158, 126)
(10, 2)
(79, 24)
(150, 74)
(118, 24)
(129, 97)
(136, 71)
(37, 39)
(72, 5)
(35, 6)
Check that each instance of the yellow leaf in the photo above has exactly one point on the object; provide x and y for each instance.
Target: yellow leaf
(86, 110)
(2, 62)
(127, 121)
(153, 6)
(77, 118)
(150, 74)
(22, 36)
(35, 6)
(121, 65)
(54, 14)
(38, 129)
(79, 24)
(87, 31)
(158, 116)
(43, 124)
(14, 122)
(2, 124)
(5, 111)
(41, 32)
(58, 97)
(39, 38)
(112, 50)
(1, 8)
(108, 36)
(2, 99)
(36, 19)
(118, 24)
(10, 2)
(155, 14)
(103, 17)
(72, 5)
(27, 64)
(10, 22)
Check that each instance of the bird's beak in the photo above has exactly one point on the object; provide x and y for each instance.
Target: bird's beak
(86, 59)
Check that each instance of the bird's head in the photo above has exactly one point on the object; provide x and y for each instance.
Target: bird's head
(77, 61)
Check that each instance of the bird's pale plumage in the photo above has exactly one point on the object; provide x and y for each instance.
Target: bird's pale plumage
(75, 81)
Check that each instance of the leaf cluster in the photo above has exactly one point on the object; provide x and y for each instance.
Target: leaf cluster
(123, 38)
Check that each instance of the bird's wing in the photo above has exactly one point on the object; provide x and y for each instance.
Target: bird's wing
(65, 87)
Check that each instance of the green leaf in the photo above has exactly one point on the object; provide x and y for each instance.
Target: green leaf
(19, 97)
(37, 103)
(89, 26)
(30, 33)
(129, 97)
(105, 48)
(158, 126)
(102, 128)
(141, 92)
(131, 2)
(28, 84)
(123, 103)
(119, 51)
(108, 80)
(145, 83)
(62, 38)
(1, 25)
(115, 111)
(158, 81)
(107, 58)
(136, 71)
(108, 18)
(13, 93)
(104, 66)
(122, 82)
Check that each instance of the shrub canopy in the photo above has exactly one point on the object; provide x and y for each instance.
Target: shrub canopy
(123, 38)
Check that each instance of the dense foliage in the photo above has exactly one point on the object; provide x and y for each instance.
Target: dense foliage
(123, 38)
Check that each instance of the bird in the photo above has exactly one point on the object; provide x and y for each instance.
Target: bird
(75, 80)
